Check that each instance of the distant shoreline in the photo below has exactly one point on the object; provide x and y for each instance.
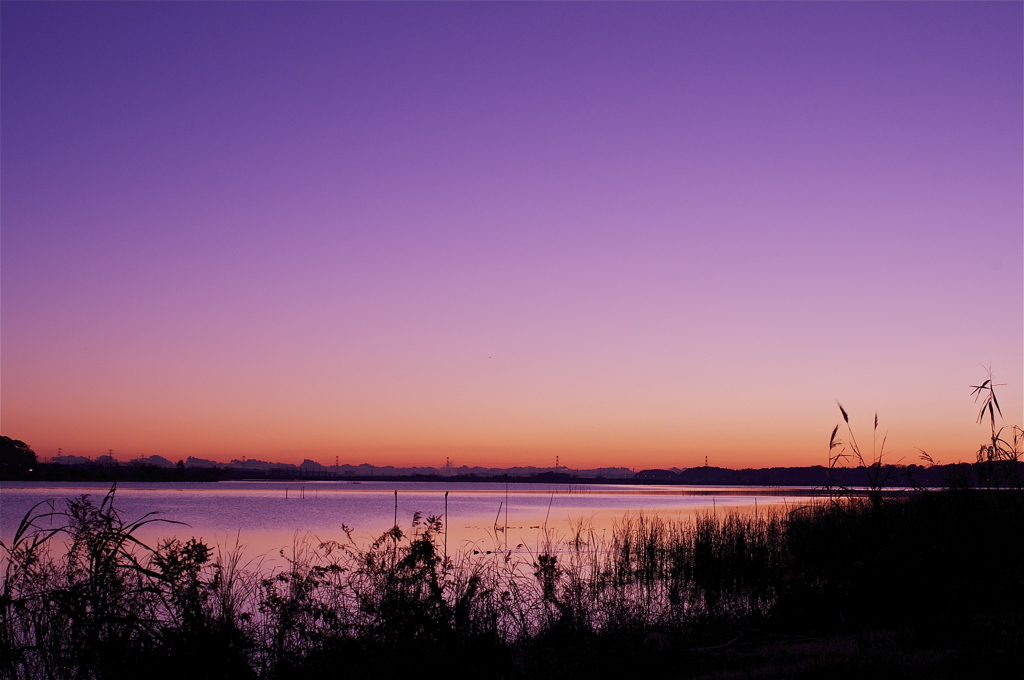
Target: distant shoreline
(894, 476)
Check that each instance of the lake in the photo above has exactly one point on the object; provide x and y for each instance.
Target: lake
(267, 517)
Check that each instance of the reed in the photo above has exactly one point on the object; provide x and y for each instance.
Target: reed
(999, 460)
(105, 601)
(82, 597)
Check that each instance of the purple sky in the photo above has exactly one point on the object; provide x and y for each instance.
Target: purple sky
(626, 234)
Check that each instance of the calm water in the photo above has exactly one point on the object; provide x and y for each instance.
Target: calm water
(269, 516)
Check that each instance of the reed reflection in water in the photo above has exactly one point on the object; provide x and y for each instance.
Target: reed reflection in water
(269, 516)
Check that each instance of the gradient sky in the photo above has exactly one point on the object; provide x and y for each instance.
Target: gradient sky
(624, 234)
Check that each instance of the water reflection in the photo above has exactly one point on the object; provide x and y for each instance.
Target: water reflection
(272, 516)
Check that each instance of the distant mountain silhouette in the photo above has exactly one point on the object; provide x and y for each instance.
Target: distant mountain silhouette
(157, 467)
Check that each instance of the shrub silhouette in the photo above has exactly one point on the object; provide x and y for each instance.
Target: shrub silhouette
(943, 563)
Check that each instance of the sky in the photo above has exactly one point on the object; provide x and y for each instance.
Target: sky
(623, 234)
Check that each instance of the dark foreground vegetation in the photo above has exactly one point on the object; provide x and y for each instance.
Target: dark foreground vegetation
(885, 584)
(930, 584)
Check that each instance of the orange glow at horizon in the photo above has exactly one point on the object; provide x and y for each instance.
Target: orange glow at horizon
(649, 235)
(578, 442)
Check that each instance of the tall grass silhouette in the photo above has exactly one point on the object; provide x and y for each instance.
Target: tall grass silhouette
(581, 602)
(82, 597)
(999, 460)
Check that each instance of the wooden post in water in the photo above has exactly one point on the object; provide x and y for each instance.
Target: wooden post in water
(396, 507)
(445, 526)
